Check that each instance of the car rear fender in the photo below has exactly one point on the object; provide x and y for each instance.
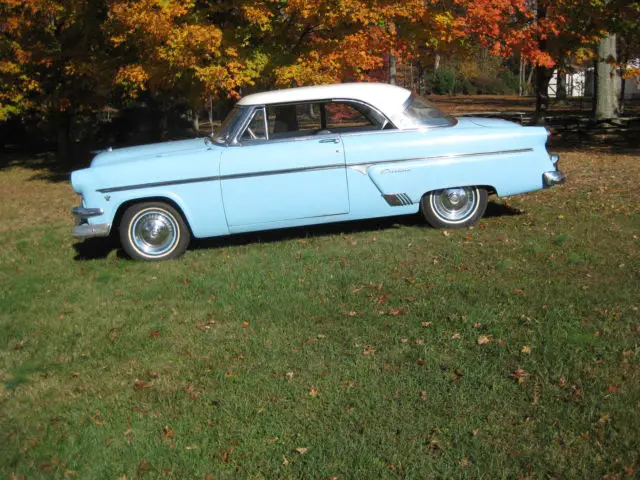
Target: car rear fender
(507, 173)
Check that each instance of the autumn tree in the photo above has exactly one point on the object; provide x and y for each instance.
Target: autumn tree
(55, 60)
(545, 32)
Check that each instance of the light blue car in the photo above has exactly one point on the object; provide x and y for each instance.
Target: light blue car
(306, 156)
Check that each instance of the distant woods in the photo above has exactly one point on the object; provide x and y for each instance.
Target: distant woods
(96, 72)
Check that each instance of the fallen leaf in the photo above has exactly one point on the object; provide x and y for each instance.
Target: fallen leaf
(301, 450)
(604, 419)
(368, 350)
(313, 391)
(475, 432)
(477, 325)
(245, 324)
(456, 336)
(167, 433)
(484, 339)
(418, 341)
(285, 462)
(464, 462)
(154, 333)
(526, 349)
(404, 340)
(423, 396)
(144, 466)
(425, 324)
(113, 335)
(19, 345)
(520, 375)
(191, 447)
(289, 376)
(445, 233)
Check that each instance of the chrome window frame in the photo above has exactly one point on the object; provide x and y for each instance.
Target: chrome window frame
(253, 113)
(250, 109)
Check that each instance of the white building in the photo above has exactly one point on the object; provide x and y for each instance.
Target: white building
(580, 83)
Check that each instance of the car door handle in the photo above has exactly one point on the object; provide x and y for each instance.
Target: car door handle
(330, 140)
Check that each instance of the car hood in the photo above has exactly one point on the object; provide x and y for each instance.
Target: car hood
(151, 151)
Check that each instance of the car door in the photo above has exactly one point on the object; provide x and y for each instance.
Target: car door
(283, 168)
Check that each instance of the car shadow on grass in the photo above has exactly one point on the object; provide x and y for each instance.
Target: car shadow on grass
(97, 248)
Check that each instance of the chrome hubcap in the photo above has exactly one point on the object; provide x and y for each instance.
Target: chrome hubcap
(154, 232)
(455, 204)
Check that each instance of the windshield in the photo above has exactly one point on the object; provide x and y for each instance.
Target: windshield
(227, 127)
(422, 113)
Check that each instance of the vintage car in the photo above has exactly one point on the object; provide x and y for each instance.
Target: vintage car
(306, 156)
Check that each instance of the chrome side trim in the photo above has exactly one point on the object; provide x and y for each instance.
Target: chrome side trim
(438, 157)
(158, 184)
(397, 199)
(234, 176)
(553, 178)
(359, 167)
(284, 171)
(87, 230)
(86, 212)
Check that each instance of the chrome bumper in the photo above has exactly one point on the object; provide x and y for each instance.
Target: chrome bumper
(86, 230)
(81, 212)
(555, 177)
(83, 229)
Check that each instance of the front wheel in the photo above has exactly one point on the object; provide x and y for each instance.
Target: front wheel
(153, 231)
(454, 207)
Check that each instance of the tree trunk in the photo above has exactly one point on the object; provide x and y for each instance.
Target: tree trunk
(623, 87)
(561, 86)
(195, 121)
(543, 76)
(63, 132)
(521, 78)
(392, 69)
(421, 86)
(606, 98)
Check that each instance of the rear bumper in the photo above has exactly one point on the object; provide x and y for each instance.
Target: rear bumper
(555, 177)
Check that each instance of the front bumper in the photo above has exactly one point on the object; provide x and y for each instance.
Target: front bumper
(86, 230)
(83, 228)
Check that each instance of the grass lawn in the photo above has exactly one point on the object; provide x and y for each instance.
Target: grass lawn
(379, 349)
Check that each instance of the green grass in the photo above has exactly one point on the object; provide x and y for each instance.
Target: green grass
(357, 343)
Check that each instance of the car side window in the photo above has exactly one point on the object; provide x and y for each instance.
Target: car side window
(294, 120)
(255, 130)
(344, 117)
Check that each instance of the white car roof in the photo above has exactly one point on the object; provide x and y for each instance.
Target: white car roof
(389, 99)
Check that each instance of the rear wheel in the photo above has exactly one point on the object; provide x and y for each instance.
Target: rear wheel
(454, 207)
(153, 231)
